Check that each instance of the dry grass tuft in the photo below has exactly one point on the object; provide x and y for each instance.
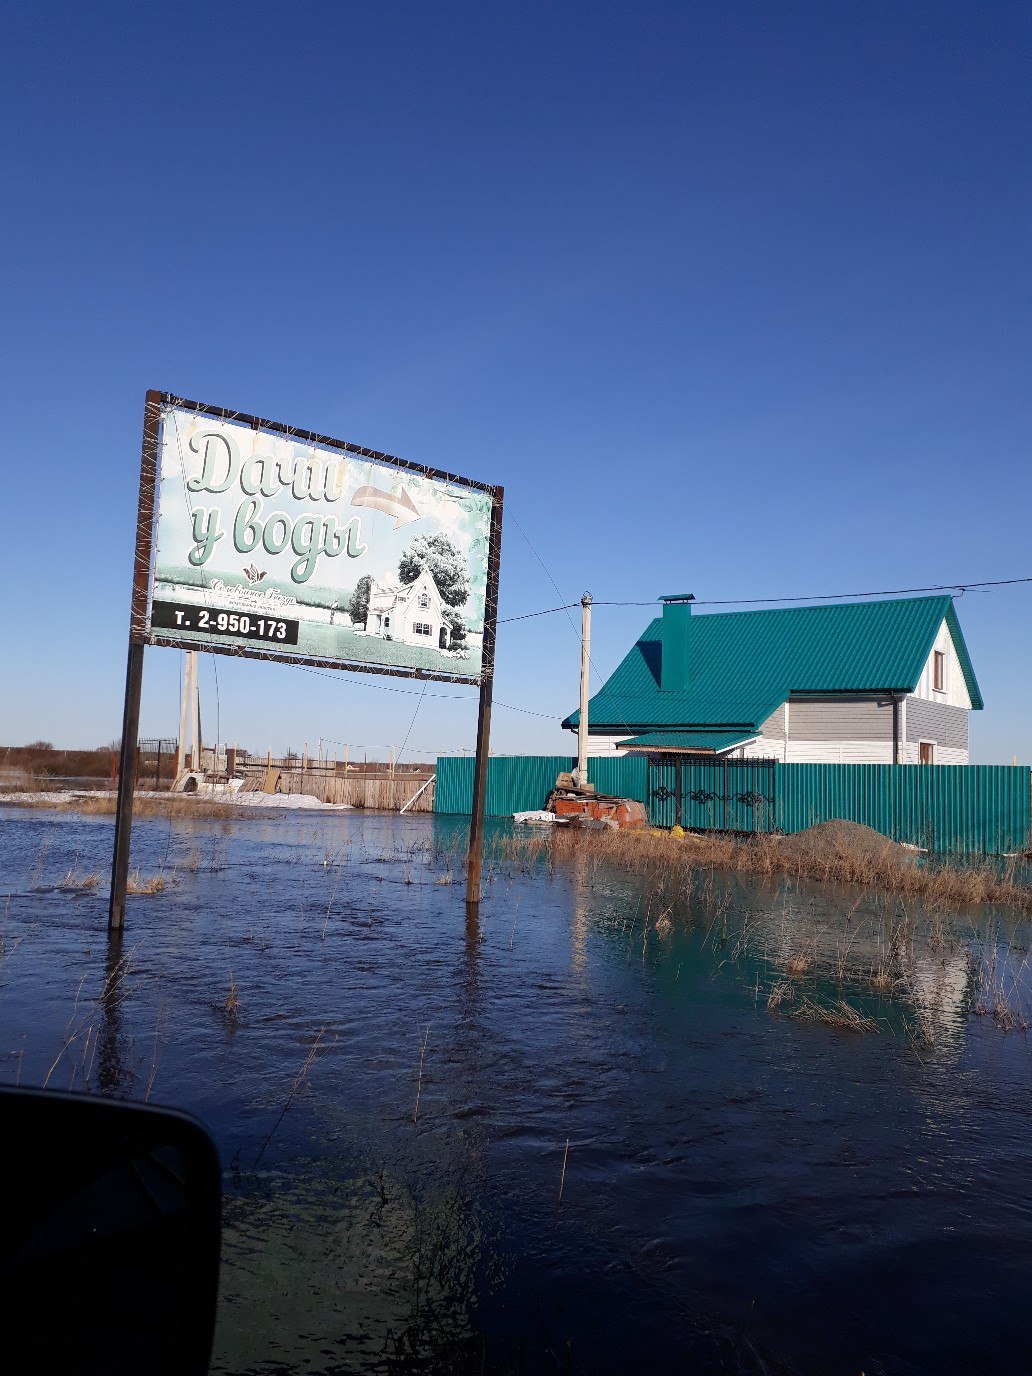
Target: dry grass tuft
(799, 965)
(149, 884)
(80, 882)
(781, 992)
(838, 1014)
(230, 1005)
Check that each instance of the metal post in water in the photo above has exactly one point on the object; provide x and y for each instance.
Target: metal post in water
(134, 664)
(475, 864)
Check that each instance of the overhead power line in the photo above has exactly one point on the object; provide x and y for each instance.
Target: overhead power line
(547, 611)
(958, 588)
(412, 692)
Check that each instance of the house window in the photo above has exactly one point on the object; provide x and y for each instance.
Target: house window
(939, 671)
(424, 599)
(927, 752)
(422, 628)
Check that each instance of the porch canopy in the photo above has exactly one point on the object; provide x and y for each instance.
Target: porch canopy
(698, 742)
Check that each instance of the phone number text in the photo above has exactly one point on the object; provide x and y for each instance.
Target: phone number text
(216, 621)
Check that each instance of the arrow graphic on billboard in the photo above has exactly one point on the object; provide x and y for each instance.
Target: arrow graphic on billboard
(401, 507)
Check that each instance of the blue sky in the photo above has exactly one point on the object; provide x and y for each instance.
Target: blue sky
(731, 298)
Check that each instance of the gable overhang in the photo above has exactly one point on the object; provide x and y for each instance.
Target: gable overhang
(614, 728)
(709, 743)
(967, 668)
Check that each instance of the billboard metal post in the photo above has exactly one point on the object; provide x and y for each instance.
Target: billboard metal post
(134, 666)
(475, 863)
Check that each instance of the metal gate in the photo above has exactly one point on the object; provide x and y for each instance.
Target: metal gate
(706, 794)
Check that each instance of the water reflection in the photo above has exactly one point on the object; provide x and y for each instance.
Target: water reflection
(583, 904)
(114, 1074)
(752, 1183)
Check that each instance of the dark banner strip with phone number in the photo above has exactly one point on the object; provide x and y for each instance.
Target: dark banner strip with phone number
(221, 622)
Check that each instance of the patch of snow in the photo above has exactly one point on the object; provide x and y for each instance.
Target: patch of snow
(288, 800)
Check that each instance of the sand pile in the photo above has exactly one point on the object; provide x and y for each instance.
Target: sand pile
(840, 840)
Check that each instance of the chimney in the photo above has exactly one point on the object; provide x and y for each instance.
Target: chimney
(673, 665)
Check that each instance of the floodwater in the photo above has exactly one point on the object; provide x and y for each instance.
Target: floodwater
(607, 1129)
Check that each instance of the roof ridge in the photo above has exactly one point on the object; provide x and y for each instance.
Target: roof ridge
(823, 606)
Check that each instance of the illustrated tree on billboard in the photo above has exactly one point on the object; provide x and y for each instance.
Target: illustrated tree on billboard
(444, 562)
(358, 607)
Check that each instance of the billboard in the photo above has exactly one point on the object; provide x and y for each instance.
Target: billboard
(281, 544)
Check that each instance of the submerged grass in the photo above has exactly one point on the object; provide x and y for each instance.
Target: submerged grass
(844, 856)
(905, 947)
(997, 991)
(785, 998)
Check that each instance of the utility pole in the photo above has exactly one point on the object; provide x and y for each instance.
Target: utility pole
(585, 678)
(189, 716)
(475, 863)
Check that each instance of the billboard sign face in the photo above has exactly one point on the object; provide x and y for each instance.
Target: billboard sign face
(279, 544)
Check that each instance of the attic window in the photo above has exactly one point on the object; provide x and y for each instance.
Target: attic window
(424, 599)
(939, 671)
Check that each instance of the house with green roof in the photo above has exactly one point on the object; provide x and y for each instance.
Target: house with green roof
(886, 682)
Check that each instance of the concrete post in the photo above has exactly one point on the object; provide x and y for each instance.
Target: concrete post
(585, 691)
(183, 725)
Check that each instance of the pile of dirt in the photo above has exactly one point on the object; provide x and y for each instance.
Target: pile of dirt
(840, 840)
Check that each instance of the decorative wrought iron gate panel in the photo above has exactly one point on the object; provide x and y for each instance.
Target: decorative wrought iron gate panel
(664, 792)
(712, 795)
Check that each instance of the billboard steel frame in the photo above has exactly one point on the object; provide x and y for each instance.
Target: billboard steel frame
(141, 634)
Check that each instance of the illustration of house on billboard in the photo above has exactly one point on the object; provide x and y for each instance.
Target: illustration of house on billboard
(413, 613)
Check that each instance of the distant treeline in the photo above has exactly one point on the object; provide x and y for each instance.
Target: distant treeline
(42, 759)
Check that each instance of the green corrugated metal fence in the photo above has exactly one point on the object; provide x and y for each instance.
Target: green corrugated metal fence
(515, 783)
(956, 808)
(522, 783)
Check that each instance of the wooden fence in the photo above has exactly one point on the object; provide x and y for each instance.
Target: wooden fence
(380, 790)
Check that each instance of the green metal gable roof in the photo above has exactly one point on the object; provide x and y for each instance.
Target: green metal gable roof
(744, 665)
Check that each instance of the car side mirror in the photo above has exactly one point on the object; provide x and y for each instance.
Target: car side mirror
(109, 1236)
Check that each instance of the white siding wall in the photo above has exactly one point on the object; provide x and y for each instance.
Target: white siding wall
(955, 693)
(601, 745)
(845, 732)
(840, 752)
(773, 738)
(760, 749)
(944, 754)
(945, 726)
